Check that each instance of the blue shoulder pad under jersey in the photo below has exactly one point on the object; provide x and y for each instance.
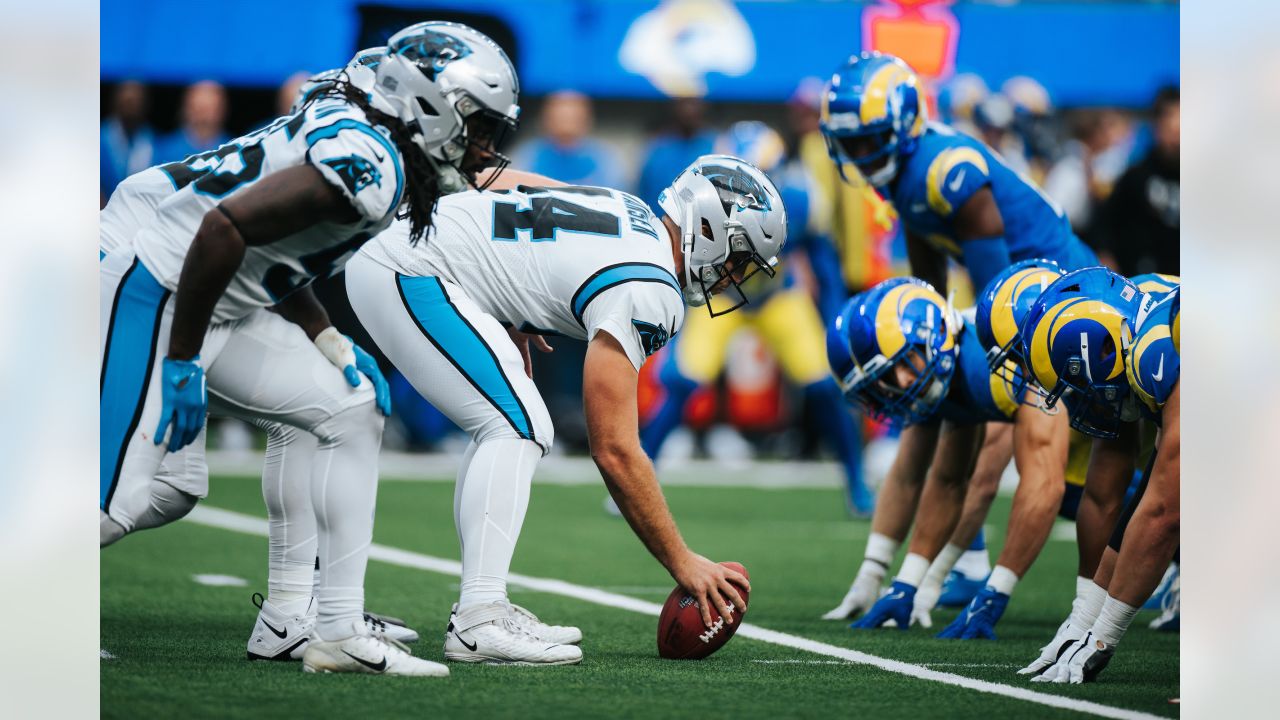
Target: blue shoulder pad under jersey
(944, 172)
(976, 395)
(1153, 362)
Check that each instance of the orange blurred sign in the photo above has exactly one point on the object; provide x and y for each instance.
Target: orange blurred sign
(924, 33)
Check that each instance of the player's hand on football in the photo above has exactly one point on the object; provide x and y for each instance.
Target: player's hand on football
(978, 619)
(1080, 662)
(353, 361)
(183, 402)
(523, 340)
(861, 596)
(712, 585)
(1067, 634)
(895, 605)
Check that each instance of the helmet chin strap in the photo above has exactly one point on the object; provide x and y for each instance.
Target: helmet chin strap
(693, 294)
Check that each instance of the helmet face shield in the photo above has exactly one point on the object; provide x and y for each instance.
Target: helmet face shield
(725, 285)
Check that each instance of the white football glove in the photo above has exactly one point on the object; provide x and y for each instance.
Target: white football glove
(1067, 634)
(1080, 662)
(862, 594)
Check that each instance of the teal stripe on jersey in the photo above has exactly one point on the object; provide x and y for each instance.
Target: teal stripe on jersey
(330, 131)
(616, 275)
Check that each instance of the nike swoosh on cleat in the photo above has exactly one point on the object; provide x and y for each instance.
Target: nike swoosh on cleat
(470, 646)
(279, 633)
(380, 666)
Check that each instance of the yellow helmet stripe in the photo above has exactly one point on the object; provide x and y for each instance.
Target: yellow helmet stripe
(889, 335)
(1003, 326)
(1159, 332)
(1104, 315)
(1041, 361)
(942, 166)
(875, 96)
(1002, 390)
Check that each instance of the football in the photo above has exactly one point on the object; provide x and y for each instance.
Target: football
(681, 634)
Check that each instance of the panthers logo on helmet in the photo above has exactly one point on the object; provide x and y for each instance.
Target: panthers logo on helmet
(737, 182)
(356, 172)
(433, 51)
(652, 337)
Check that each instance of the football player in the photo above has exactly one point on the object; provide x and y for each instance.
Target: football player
(903, 354)
(1110, 354)
(782, 312)
(249, 225)
(955, 196)
(588, 263)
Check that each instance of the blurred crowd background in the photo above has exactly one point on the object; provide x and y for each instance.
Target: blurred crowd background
(1080, 96)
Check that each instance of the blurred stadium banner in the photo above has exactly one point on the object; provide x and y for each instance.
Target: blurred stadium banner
(753, 51)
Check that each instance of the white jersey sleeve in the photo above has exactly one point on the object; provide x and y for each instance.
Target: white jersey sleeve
(643, 316)
(358, 159)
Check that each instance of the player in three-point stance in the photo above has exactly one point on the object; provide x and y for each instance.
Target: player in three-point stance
(588, 263)
(248, 226)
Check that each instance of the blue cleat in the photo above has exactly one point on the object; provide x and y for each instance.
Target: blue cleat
(894, 605)
(978, 620)
(958, 591)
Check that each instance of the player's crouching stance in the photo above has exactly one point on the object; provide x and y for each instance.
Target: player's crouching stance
(588, 263)
(1111, 354)
(270, 212)
(905, 355)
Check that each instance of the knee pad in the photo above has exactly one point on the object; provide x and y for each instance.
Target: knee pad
(167, 504)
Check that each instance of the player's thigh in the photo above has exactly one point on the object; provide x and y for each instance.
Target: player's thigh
(269, 369)
(453, 353)
(791, 327)
(703, 342)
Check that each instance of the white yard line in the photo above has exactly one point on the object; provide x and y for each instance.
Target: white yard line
(248, 524)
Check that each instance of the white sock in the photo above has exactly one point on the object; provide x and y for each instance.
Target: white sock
(291, 519)
(878, 555)
(491, 509)
(974, 564)
(1002, 580)
(344, 489)
(1113, 621)
(913, 569)
(1088, 603)
(942, 565)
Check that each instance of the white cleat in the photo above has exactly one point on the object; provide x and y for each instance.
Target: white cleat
(527, 621)
(281, 633)
(488, 634)
(392, 627)
(367, 653)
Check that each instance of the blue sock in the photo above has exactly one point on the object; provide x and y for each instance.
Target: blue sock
(979, 542)
(842, 436)
(669, 415)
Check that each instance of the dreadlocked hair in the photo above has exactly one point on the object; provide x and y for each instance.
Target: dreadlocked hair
(423, 190)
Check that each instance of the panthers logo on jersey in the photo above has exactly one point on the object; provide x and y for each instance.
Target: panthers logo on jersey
(433, 51)
(652, 337)
(356, 172)
(734, 180)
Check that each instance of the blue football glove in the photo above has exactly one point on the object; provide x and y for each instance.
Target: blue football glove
(978, 620)
(367, 365)
(894, 605)
(352, 360)
(184, 402)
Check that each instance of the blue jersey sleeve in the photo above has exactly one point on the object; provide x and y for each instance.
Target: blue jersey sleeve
(954, 175)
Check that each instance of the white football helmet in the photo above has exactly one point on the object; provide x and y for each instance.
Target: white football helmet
(732, 226)
(453, 87)
(360, 72)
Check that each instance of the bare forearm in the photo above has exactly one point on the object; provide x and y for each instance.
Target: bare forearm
(303, 309)
(632, 482)
(212, 260)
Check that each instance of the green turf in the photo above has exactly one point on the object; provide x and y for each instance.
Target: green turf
(179, 646)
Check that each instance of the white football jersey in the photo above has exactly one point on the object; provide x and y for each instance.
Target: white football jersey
(554, 261)
(132, 207)
(333, 136)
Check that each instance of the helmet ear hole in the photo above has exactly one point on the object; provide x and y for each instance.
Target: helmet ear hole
(706, 230)
(426, 107)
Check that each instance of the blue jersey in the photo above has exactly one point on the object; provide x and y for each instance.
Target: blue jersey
(947, 168)
(976, 395)
(1152, 363)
